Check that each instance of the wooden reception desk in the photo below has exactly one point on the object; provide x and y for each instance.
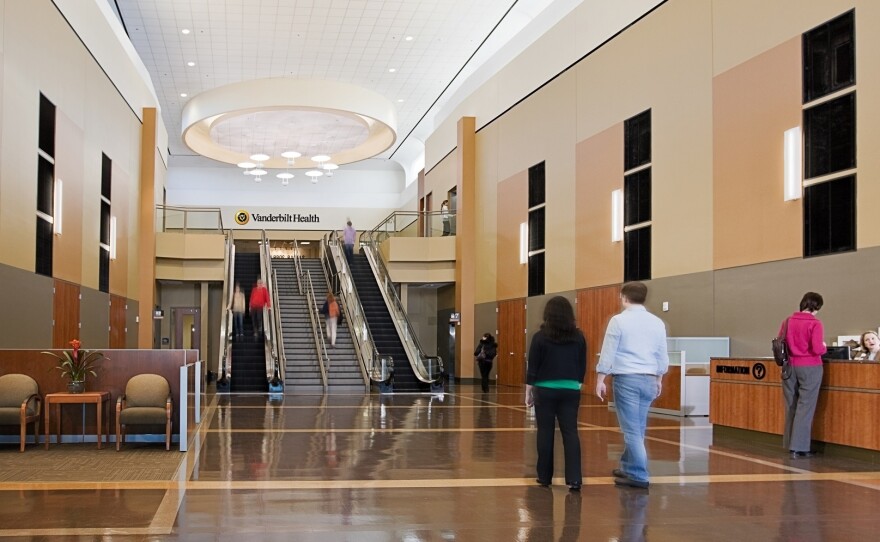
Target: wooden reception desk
(746, 393)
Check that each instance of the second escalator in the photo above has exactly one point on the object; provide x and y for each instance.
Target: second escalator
(382, 326)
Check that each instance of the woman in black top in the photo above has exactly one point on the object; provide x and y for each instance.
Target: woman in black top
(485, 353)
(557, 366)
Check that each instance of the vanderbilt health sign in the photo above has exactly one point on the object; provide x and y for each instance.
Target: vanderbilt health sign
(272, 218)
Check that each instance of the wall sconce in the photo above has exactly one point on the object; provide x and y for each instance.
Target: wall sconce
(112, 237)
(617, 216)
(792, 187)
(58, 206)
(524, 243)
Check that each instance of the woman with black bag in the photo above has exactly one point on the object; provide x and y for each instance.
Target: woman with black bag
(803, 336)
(485, 353)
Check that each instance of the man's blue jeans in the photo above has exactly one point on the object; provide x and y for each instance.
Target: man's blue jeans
(633, 394)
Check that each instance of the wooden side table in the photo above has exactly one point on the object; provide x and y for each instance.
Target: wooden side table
(101, 400)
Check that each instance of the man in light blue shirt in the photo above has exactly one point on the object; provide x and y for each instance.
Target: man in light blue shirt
(634, 353)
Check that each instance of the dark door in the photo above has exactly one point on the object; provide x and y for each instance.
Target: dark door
(65, 314)
(118, 309)
(512, 342)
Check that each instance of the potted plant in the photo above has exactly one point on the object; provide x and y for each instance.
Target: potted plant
(75, 365)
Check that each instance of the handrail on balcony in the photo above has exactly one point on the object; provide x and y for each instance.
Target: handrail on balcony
(189, 219)
(415, 224)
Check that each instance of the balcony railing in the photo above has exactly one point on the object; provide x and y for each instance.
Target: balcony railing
(188, 219)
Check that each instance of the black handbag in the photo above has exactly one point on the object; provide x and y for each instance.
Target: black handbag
(780, 352)
(780, 349)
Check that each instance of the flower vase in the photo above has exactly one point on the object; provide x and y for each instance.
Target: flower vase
(76, 386)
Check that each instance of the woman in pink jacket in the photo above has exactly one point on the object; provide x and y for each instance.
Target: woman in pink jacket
(804, 337)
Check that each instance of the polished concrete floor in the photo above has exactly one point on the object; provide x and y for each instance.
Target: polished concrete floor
(457, 467)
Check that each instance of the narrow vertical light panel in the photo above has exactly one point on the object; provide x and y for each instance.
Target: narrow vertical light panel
(524, 243)
(617, 216)
(792, 187)
(59, 207)
(112, 237)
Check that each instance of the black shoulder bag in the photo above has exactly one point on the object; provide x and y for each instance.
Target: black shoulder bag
(780, 351)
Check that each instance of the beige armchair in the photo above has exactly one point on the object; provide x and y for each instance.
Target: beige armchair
(147, 401)
(20, 404)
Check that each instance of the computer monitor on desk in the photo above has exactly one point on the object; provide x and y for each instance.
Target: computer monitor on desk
(837, 352)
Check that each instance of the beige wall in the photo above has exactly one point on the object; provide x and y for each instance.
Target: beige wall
(42, 54)
(723, 84)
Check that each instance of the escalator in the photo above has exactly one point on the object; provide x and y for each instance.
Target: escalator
(382, 328)
(248, 352)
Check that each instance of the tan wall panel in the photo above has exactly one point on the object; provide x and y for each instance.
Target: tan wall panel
(67, 247)
(513, 202)
(754, 103)
(542, 129)
(598, 261)
(486, 218)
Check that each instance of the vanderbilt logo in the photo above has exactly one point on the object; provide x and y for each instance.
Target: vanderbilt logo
(242, 218)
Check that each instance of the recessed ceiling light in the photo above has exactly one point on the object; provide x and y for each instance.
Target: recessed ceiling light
(400, 101)
(185, 31)
(392, 70)
(190, 64)
(408, 38)
(183, 94)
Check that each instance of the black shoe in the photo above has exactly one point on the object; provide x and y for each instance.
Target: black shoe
(802, 455)
(542, 483)
(617, 473)
(574, 487)
(629, 482)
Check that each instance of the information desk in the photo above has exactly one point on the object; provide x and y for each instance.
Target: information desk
(746, 393)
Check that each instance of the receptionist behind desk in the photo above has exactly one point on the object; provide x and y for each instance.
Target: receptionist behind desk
(870, 343)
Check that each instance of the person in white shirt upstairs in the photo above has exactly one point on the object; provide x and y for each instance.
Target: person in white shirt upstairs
(634, 352)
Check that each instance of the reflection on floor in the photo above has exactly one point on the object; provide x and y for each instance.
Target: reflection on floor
(456, 467)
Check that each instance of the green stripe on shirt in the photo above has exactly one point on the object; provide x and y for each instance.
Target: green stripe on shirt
(559, 384)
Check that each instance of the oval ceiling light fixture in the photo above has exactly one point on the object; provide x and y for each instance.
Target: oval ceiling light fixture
(259, 157)
(185, 31)
(285, 175)
(212, 120)
(291, 155)
(408, 38)
(320, 158)
(247, 165)
(257, 172)
(314, 174)
(329, 166)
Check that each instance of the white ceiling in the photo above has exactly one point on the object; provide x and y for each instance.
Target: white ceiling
(352, 41)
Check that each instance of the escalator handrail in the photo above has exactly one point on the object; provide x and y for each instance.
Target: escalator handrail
(320, 345)
(375, 365)
(269, 314)
(227, 317)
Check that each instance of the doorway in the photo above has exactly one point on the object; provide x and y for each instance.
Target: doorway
(187, 324)
(512, 342)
